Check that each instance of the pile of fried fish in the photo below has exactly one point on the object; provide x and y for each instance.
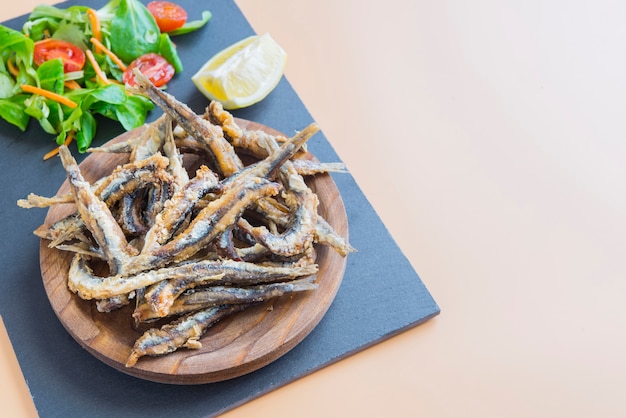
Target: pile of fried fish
(192, 242)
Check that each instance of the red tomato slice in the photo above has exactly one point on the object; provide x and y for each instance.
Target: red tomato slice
(72, 56)
(153, 66)
(168, 15)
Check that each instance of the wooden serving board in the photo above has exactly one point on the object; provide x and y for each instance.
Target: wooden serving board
(237, 345)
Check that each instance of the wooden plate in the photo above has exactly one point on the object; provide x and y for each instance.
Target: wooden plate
(239, 344)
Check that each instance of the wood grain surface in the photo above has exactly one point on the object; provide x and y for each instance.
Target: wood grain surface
(239, 344)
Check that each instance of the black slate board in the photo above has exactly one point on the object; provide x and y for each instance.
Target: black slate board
(381, 294)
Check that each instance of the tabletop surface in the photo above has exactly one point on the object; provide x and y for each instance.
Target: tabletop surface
(489, 137)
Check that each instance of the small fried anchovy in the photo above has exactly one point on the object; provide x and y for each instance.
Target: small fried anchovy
(82, 280)
(96, 216)
(193, 300)
(184, 332)
(177, 208)
(217, 295)
(254, 142)
(326, 235)
(202, 130)
(300, 234)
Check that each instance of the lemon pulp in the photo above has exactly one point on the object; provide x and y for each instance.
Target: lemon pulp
(243, 73)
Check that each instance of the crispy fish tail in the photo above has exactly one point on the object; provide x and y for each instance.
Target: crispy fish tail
(196, 299)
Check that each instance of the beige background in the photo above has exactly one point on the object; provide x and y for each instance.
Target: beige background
(490, 136)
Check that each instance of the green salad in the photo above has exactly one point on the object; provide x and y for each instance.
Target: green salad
(68, 65)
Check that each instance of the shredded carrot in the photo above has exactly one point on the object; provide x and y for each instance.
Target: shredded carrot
(48, 94)
(101, 75)
(95, 26)
(68, 139)
(12, 68)
(72, 84)
(114, 58)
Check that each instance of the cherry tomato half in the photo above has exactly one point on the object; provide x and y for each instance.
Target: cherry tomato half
(72, 56)
(153, 66)
(168, 15)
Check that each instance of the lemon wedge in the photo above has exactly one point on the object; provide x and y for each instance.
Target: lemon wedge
(243, 73)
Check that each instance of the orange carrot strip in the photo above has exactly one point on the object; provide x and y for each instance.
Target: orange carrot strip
(110, 53)
(50, 154)
(48, 94)
(101, 75)
(72, 84)
(95, 25)
(12, 68)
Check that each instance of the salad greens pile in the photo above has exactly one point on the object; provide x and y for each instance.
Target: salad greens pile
(126, 28)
